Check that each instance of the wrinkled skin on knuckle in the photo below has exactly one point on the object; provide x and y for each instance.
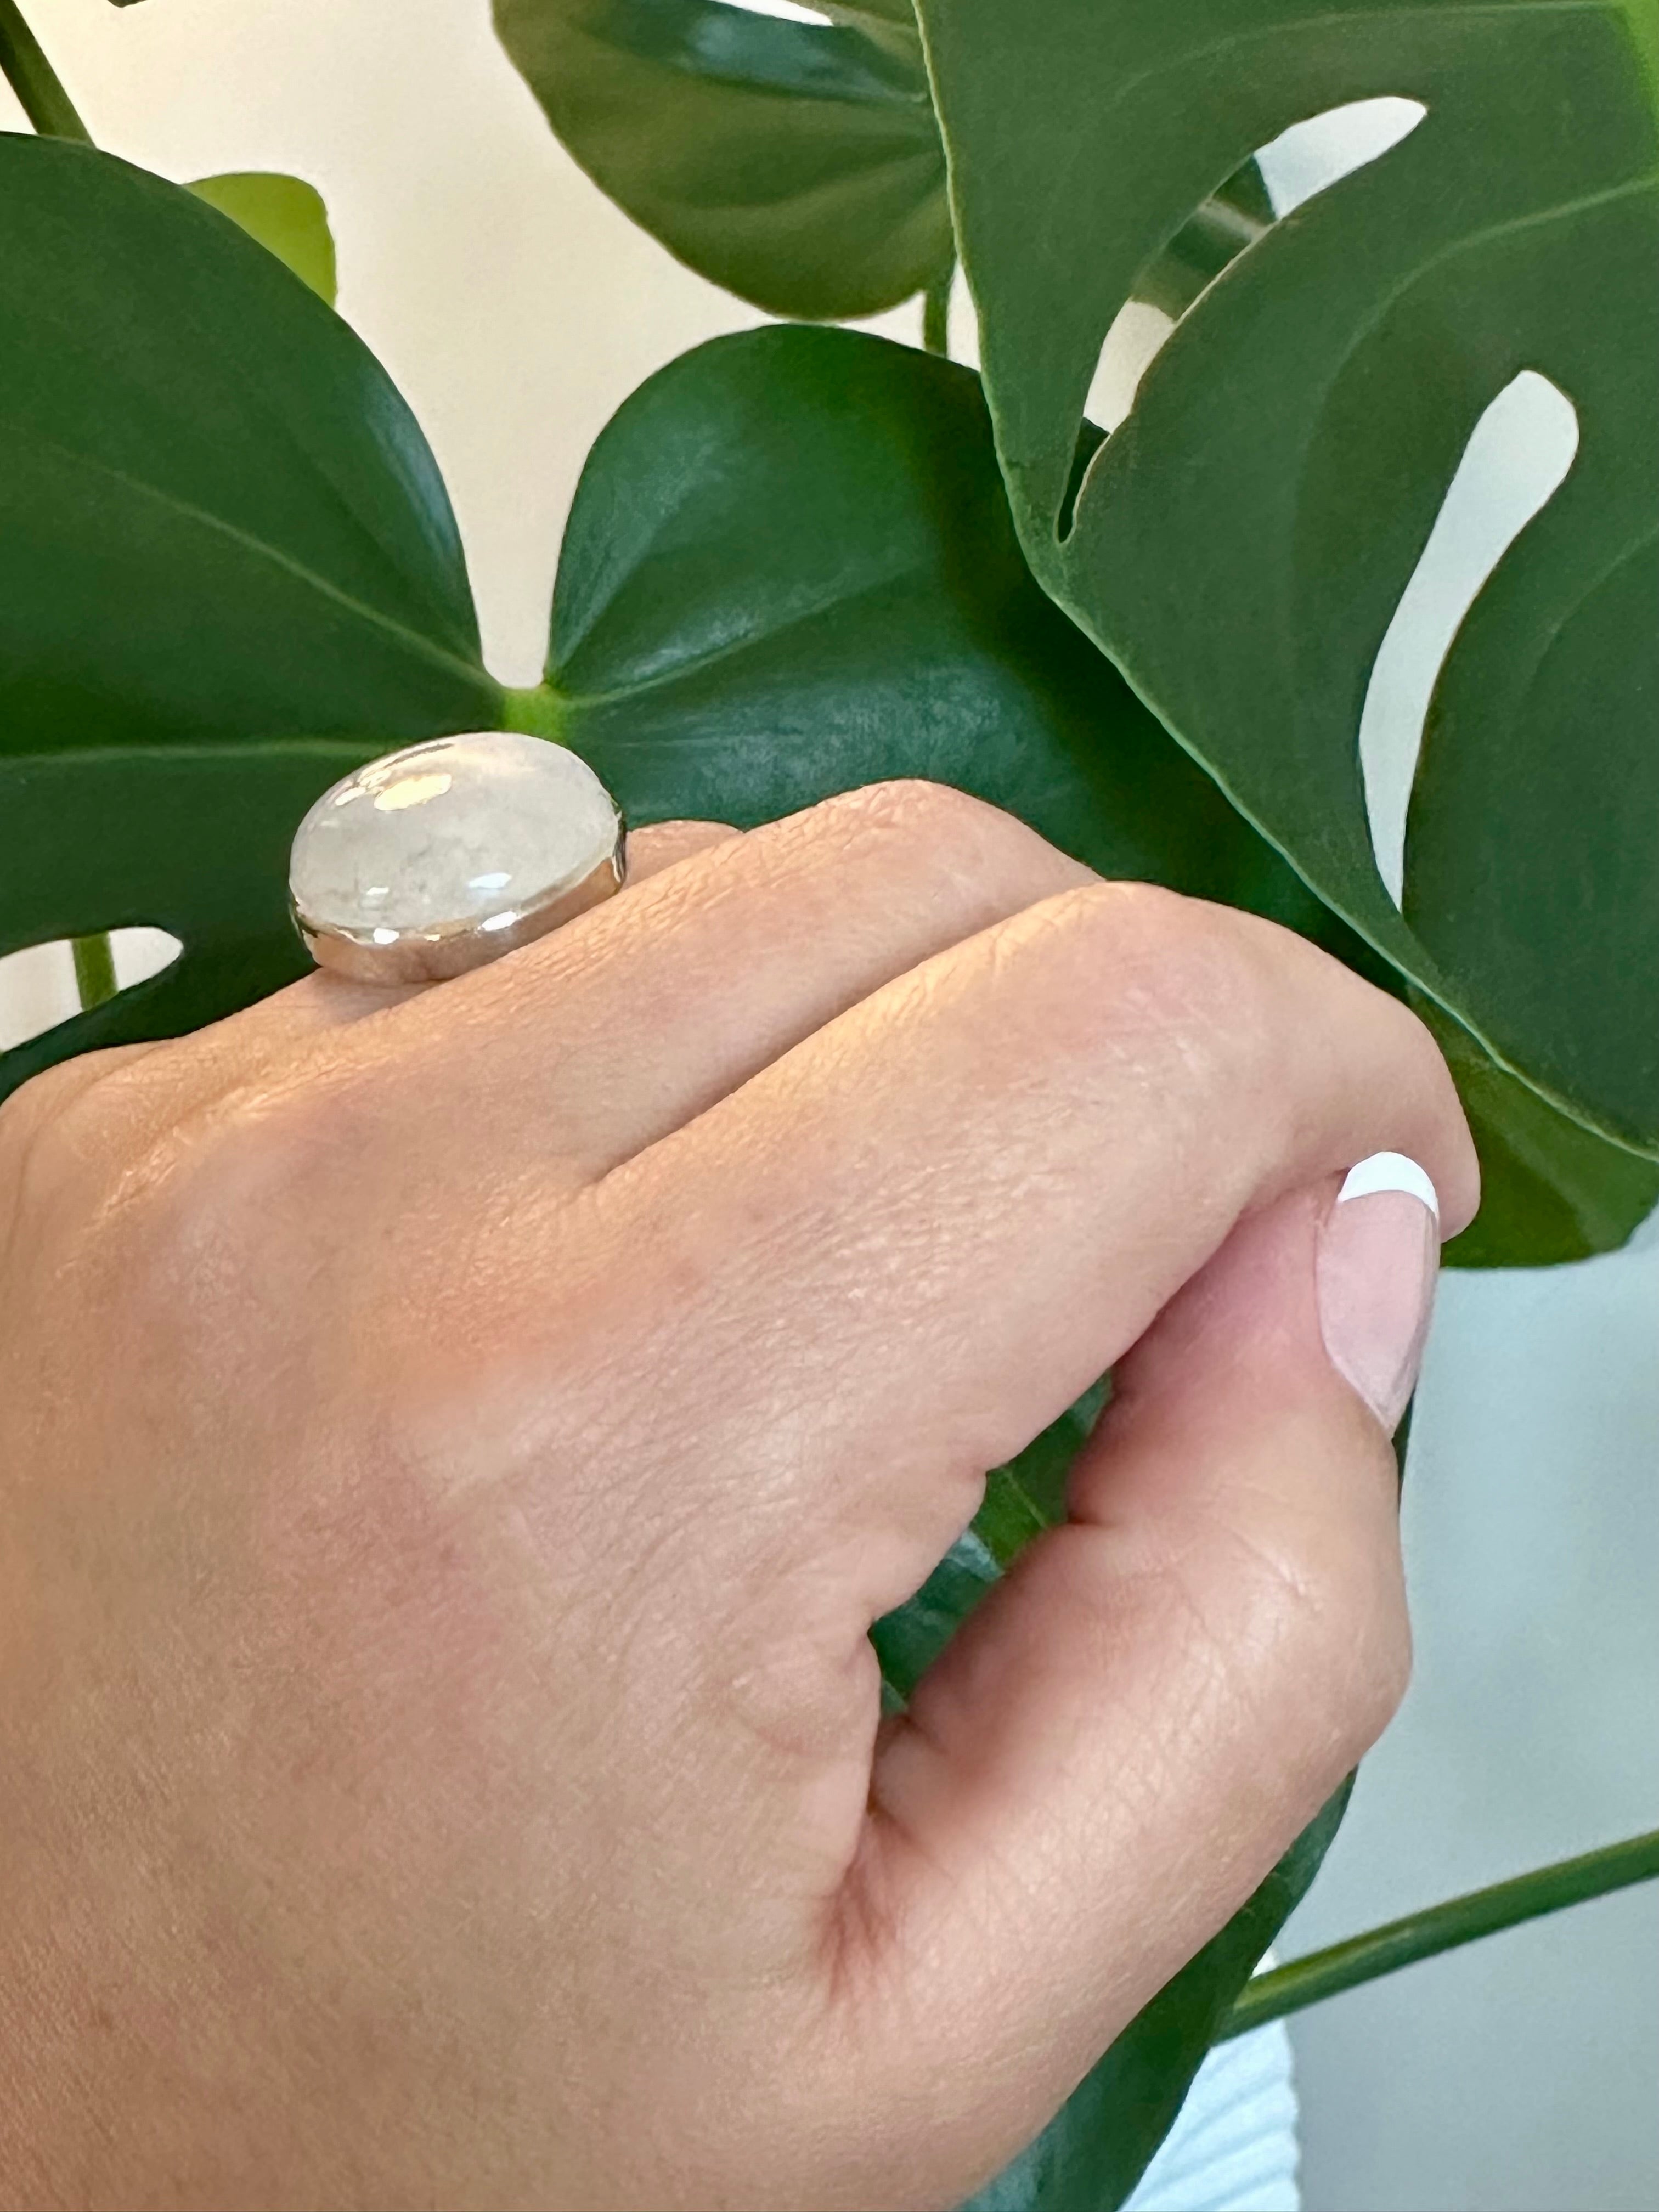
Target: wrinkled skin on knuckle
(61, 1134)
(940, 831)
(911, 807)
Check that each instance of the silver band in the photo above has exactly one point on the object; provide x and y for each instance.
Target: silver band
(440, 857)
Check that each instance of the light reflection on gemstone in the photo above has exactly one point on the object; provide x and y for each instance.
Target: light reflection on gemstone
(411, 791)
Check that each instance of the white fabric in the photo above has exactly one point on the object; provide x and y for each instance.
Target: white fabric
(1233, 2148)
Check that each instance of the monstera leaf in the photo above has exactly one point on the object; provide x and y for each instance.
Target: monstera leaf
(220, 531)
(284, 214)
(1239, 546)
(798, 164)
(790, 569)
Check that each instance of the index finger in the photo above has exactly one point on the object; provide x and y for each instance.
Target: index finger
(971, 1194)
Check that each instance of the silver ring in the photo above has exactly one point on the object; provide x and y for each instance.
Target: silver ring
(439, 858)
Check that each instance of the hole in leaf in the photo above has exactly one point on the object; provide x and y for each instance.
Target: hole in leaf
(1516, 460)
(1304, 161)
(1312, 156)
(1132, 343)
(38, 989)
(785, 9)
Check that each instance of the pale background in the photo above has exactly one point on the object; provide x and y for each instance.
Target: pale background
(516, 308)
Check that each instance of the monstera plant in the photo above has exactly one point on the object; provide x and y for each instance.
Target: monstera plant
(807, 558)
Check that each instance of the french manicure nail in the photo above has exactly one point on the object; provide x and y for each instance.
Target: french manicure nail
(1379, 1254)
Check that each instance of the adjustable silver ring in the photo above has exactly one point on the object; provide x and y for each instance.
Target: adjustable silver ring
(435, 860)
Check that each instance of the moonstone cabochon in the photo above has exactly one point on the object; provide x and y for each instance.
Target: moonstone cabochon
(434, 859)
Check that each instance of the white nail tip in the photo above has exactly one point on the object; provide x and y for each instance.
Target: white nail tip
(1391, 1171)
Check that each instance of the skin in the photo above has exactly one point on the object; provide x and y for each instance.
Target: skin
(455, 1444)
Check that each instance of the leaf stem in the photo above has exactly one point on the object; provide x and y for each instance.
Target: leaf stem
(95, 970)
(538, 710)
(936, 312)
(34, 81)
(1442, 1928)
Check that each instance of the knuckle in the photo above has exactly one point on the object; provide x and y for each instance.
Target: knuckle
(1308, 1611)
(910, 802)
(1176, 977)
(27, 1114)
(1193, 960)
(1355, 1654)
(949, 828)
(52, 1134)
(1386, 1678)
(235, 1199)
(1367, 1678)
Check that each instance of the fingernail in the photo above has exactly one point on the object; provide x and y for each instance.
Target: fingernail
(1379, 1255)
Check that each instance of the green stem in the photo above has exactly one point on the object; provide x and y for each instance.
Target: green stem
(1442, 1928)
(34, 81)
(95, 970)
(936, 312)
(538, 710)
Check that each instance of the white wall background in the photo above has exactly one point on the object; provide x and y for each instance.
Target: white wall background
(516, 308)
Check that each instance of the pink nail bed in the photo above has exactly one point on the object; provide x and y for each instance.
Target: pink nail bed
(1379, 1255)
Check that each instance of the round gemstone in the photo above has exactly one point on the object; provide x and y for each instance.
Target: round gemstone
(458, 837)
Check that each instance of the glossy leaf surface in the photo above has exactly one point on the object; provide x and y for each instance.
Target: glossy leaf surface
(797, 164)
(217, 517)
(220, 530)
(790, 570)
(1551, 1191)
(285, 214)
(1240, 544)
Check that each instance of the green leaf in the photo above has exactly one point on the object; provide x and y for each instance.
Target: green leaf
(192, 838)
(1021, 1500)
(1551, 1191)
(1233, 217)
(219, 523)
(217, 515)
(797, 164)
(284, 214)
(1240, 545)
(790, 570)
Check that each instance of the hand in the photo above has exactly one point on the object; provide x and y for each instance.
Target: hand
(454, 1445)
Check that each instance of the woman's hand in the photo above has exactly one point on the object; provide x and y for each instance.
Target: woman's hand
(452, 1448)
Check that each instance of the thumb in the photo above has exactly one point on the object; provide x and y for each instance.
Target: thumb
(1124, 1740)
